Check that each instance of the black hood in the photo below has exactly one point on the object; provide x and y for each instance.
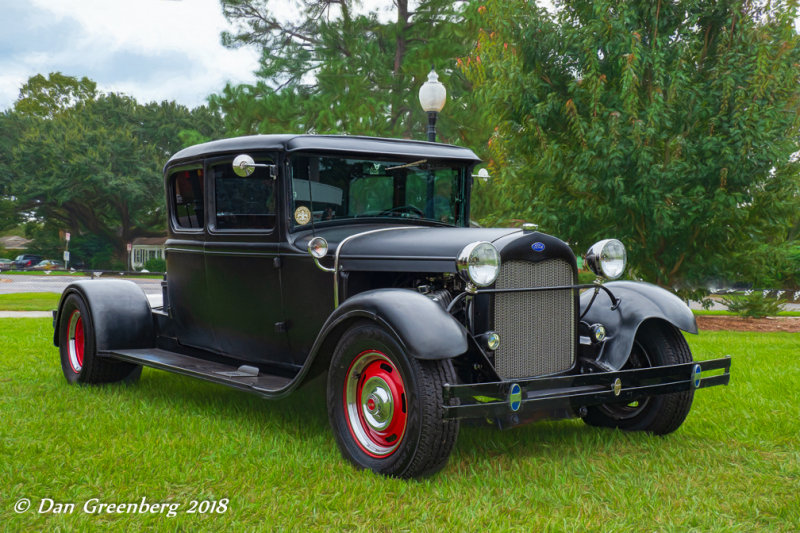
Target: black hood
(390, 248)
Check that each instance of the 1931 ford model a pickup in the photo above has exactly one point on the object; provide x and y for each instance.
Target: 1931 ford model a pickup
(293, 255)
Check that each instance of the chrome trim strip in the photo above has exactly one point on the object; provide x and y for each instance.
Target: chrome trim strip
(339, 251)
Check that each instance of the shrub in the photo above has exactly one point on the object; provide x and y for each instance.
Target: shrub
(754, 305)
(155, 265)
(585, 277)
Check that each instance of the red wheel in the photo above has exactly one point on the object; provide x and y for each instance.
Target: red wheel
(75, 342)
(386, 408)
(375, 404)
(80, 362)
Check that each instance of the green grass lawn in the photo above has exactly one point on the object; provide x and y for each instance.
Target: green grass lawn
(40, 273)
(29, 301)
(734, 465)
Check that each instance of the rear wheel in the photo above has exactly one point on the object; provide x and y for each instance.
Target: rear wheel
(76, 341)
(656, 344)
(385, 408)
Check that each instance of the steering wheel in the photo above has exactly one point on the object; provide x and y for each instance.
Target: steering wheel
(404, 209)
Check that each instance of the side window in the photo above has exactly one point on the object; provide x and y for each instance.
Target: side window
(187, 198)
(243, 202)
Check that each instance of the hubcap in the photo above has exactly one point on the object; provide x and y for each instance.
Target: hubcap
(75, 341)
(375, 403)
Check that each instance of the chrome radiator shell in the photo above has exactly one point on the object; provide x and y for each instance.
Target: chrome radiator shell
(537, 328)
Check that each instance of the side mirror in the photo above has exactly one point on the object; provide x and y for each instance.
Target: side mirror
(244, 165)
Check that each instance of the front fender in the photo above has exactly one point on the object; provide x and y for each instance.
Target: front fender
(638, 301)
(422, 326)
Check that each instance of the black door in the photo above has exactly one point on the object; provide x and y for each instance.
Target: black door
(186, 278)
(242, 264)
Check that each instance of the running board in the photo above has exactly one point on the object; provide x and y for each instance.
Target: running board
(247, 378)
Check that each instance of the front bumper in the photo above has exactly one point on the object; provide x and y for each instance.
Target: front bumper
(572, 393)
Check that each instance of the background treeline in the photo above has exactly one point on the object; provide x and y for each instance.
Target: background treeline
(75, 160)
(672, 125)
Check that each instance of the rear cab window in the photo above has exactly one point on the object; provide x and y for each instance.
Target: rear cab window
(186, 195)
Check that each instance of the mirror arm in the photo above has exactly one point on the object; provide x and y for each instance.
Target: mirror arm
(322, 267)
(273, 169)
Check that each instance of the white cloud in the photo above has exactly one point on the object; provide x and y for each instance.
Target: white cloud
(149, 49)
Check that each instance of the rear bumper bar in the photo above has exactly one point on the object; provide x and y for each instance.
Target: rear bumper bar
(573, 392)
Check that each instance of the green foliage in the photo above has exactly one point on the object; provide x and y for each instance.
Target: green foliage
(586, 276)
(91, 164)
(45, 239)
(88, 250)
(668, 125)
(755, 305)
(339, 69)
(156, 265)
(45, 97)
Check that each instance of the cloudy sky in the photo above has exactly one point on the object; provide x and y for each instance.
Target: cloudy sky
(152, 50)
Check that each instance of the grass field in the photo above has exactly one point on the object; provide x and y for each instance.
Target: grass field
(29, 301)
(41, 273)
(733, 466)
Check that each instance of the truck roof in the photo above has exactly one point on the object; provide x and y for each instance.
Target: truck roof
(326, 143)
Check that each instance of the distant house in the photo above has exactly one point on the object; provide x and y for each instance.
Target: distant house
(145, 248)
(14, 242)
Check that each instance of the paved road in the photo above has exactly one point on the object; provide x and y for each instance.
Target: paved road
(22, 283)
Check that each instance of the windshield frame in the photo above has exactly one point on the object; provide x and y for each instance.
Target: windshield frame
(391, 162)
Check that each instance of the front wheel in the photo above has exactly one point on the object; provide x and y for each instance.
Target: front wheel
(385, 408)
(656, 344)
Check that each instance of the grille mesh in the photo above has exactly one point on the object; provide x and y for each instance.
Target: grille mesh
(537, 330)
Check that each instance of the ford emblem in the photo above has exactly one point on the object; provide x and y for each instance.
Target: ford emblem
(537, 247)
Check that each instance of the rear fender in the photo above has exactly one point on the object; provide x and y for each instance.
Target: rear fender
(120, 313)
(638, 301)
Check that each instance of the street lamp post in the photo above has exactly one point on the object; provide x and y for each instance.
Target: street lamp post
(432, 97)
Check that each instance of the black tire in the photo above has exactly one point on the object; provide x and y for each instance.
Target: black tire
(384, 386)
(76, 342)
(657, 343)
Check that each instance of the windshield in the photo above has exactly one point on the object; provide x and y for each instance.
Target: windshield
(337, 188)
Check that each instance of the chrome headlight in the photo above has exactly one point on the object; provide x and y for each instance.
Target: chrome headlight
(318, 247)
(479, 263)
(607, 258)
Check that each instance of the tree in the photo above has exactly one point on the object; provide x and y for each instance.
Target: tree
(94, 167)
(337, 70)
(11, 127)
(44, 97)
(669, 125)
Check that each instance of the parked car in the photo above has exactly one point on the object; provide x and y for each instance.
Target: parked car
(49, 264)
(26, 261)
(345, 262)
(6, 264)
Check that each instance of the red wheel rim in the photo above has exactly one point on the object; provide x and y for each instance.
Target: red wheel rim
(75, 341)
(375, 404)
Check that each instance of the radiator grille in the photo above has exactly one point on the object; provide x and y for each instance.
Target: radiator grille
(537, 329)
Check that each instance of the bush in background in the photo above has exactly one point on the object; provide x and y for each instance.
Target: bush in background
(156, 265)
(753, 305)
